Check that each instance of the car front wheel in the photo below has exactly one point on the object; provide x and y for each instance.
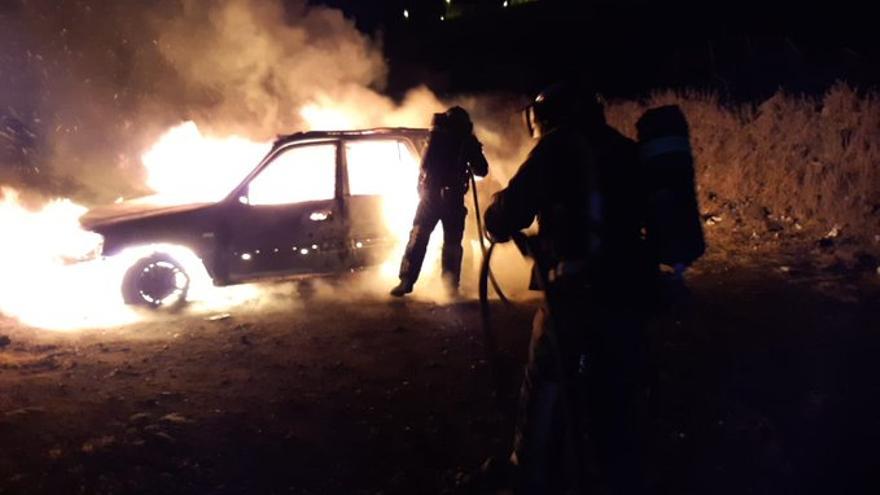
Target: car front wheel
(155, 281)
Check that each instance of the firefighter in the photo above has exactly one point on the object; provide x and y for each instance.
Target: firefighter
(453, 153)
(581, 182)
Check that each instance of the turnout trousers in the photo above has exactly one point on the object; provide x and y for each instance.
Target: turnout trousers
(436, 207)
(599, 343)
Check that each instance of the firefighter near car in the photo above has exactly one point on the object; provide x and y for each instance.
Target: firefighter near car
(453, 154)
(581, 181)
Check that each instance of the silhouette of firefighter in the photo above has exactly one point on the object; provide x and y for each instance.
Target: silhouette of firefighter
(452, 154)
(582, 182)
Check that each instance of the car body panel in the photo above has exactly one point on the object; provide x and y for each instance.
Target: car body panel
(102, 217)
(285, 239)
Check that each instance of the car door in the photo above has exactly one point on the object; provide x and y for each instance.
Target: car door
(287, 218)
(381, 181)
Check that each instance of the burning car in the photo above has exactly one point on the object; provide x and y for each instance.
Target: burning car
(319, 202)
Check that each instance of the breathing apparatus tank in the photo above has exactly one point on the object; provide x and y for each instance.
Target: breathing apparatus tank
(673, 225)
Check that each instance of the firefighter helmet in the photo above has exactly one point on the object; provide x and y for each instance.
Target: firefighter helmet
(459, 120)
(563, 104)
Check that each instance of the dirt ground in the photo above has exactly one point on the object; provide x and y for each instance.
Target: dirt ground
(766, 381)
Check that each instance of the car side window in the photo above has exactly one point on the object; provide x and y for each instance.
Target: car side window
(379, 167)
(296, 175)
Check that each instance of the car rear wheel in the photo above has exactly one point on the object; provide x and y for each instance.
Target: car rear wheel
(155, 281)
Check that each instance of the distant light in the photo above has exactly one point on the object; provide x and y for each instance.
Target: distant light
(319, 216)
(442, 17)
(303, 251)
(405, 14)
(448, 2)
(246, 256)
(505, 4)
(315, 247)
(359, 244)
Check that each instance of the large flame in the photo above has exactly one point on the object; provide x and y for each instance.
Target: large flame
(40, 283)
(186, 166)
(51, 278)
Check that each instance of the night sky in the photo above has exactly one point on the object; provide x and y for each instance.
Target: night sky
(742, 50)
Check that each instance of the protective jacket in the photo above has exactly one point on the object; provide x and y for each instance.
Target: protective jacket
(447, 160)
(585, 189)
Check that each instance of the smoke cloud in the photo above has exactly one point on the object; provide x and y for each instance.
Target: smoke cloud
(87, 86)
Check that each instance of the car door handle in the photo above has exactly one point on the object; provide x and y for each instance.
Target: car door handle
(321, 215)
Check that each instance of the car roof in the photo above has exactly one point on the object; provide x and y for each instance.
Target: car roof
(358, 133)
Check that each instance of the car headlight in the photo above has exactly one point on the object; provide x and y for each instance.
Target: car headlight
(87, 247)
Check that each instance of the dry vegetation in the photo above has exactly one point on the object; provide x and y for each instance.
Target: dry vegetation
(793, 166)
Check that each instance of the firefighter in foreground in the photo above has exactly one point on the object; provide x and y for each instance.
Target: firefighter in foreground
(581, 182)
(453, 153)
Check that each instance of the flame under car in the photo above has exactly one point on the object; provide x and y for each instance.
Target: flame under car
(319, 202)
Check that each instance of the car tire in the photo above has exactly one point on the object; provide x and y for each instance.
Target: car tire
(156, 281)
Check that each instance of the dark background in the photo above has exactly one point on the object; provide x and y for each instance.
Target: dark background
(742, 50)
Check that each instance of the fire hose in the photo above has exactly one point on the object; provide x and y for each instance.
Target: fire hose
(481, 233)
(490, 345)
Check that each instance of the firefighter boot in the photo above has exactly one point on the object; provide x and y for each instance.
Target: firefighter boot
(451, 261)
(403, 288)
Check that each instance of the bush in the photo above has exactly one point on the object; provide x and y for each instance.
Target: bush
(810, 162)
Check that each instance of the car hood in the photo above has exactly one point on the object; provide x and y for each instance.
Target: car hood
(135, 209)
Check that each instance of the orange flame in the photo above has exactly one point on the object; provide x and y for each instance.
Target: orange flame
(39, 285)
(186, 166)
